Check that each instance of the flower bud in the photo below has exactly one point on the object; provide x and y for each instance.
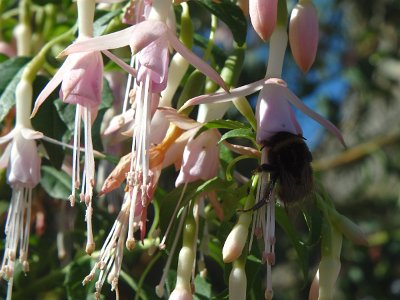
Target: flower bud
(236, 239)
(303, 34)
(263, 15)
(237, 283)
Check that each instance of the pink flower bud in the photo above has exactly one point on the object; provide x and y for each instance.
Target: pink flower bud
(303, 34)
(263, 15)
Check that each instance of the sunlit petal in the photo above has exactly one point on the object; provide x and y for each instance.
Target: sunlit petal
(312, 114)
(224, 97)
(50, 87)
(137, 37)
(195, 60)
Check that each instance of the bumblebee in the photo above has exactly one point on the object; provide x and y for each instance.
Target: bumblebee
(289, 166)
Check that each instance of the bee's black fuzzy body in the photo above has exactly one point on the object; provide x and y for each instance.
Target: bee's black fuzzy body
(289, 165)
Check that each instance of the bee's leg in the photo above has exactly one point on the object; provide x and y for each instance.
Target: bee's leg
(265, 200)
(265, 168)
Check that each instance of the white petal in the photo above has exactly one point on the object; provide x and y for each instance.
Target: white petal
(5, 157)
(8, 137)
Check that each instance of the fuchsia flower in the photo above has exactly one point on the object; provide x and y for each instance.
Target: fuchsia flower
(271, 88)
(81, 78)
(274, 114)
(21, 156)
(23, 173)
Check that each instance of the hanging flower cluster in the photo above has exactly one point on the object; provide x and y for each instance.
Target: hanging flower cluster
(150, 127)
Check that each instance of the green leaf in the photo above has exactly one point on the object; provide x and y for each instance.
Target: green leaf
(49, 123)
(202, 289)
(227, 124)
(302, 253)
(245, 133)
(231, 15)
(11, 71)
(56, 183)
(100, 25)
(106, 102)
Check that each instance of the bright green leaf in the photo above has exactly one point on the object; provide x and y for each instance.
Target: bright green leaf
(56, 183)
(231, 15)
(11, 71)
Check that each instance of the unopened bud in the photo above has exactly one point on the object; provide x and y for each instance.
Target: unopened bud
(236, 239)
(263, 16)
(237, 283)
(303, 34)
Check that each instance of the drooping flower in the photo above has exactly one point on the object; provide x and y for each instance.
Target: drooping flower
(81, 78)
(276, 87)
(23, 173)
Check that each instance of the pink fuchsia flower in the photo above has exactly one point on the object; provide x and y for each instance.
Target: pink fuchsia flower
(23, 173)
(21, 156)
(263, 16)
(274, 87)
(138, 37)
(81, 78)
(303, 34)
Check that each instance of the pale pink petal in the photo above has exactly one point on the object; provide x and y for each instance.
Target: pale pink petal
(51, 86)
(154, 58)
(117, 122)
(137, 37)
(274, 114)
(24, 166)
(178, 119)
(200, 158)
(5, 157)
(30, 134)
(120, 63)
(83, 82)
(195, 60)
(224, 97)
(175, 152)
(8, 137)
(312, 114)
